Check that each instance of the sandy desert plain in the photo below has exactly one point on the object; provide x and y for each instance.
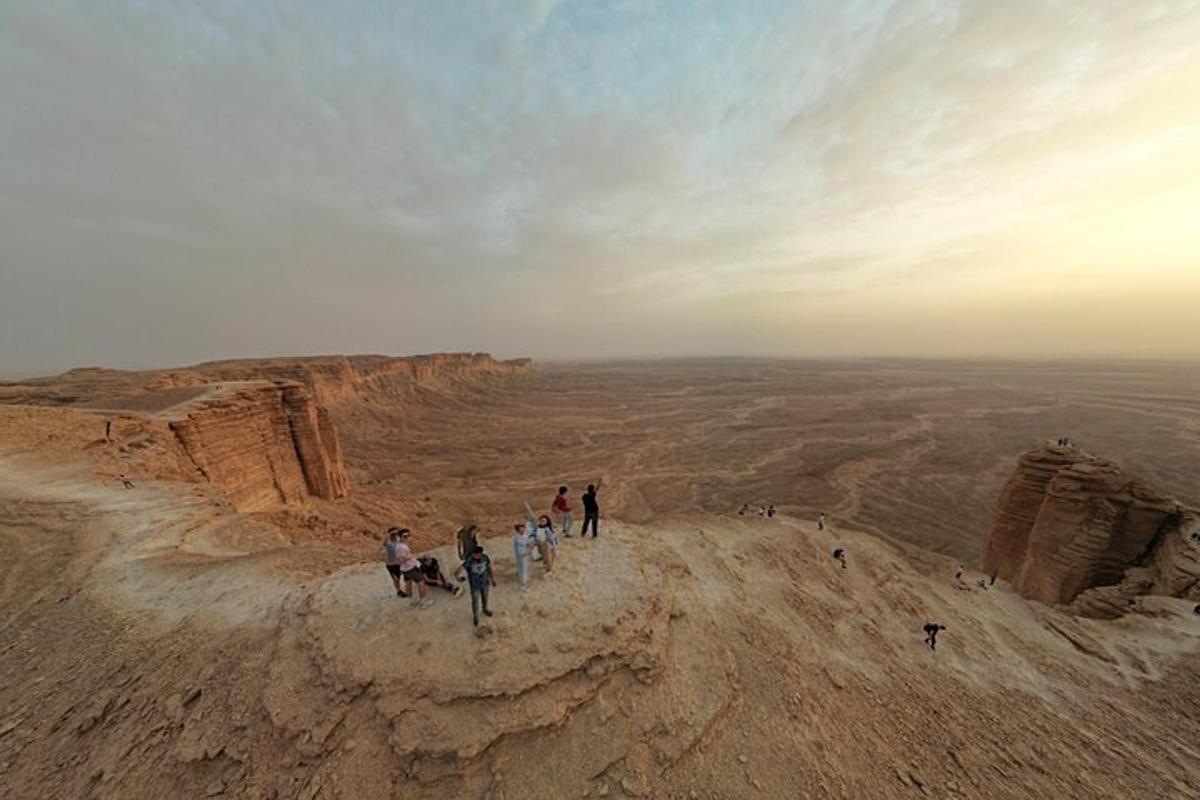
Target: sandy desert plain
(227, 629)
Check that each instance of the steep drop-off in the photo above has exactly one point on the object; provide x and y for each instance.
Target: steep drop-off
(1073, 527)
(264, 445)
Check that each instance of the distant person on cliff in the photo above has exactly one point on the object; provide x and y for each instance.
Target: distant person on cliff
(591, 510)
(931, 631)
(410, 570)
(992, 581)
(821, 522)
(562, 510)
(125, 480)
(958, 573)
(108, 431)
(466, 541)
(521, 551)
(478, 569)
(840, 555)
(770, 511)
(431, 570)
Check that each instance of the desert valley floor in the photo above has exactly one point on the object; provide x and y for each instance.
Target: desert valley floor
(227, 628)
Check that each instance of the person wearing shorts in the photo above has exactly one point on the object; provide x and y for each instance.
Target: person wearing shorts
(391, 547)
(410, 570)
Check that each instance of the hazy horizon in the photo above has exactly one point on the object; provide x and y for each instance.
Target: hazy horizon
(187, 182)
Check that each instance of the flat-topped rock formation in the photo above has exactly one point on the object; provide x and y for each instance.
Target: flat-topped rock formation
(1069, 523)
(330, 378)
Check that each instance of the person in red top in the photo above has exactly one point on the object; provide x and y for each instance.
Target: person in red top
(562, 509)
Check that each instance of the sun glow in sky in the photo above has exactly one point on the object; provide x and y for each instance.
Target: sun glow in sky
(182, 181)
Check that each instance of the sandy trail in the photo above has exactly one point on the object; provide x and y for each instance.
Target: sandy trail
(157, 646)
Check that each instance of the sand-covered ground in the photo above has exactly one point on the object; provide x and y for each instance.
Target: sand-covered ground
(157, 643)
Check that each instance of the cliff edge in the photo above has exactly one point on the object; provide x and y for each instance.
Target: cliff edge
(1073, 528)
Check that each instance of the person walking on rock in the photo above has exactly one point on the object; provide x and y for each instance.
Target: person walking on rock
(821, 522)
(562, 510)
(591, 510)
(478, 569)
(125, 480)
(839, 554)
(931, 631)
(521, 551)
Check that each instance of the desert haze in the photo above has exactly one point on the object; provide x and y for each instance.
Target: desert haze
(226, 627)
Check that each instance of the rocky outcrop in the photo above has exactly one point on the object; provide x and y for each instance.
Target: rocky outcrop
(1068, 523)
(264, 445)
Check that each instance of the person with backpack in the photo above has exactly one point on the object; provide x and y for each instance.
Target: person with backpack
(478, 569)
(562, 510)
(591, 510)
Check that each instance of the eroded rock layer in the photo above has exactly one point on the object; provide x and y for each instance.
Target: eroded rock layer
(1069, 523)
(265, 445)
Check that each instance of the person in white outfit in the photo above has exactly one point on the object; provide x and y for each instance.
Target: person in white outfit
(521, 550)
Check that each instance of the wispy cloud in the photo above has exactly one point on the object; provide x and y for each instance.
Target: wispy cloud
(183, 180)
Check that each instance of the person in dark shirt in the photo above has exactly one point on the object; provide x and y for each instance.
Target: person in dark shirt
(931, 631)
(478, 569)
(840, 555)
(591, 510)
(432, 571)
(466, 541)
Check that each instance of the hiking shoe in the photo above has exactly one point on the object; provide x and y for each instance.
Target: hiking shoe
(487, 613)
(401, 593)
(458, 590)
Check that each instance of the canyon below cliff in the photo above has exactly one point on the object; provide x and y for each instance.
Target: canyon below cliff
(226, 628)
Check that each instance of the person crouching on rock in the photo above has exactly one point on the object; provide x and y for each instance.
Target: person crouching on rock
(931, 631)
(431, 571)
(410, 571)
(840, 555)
(478, 569)
(521, 551)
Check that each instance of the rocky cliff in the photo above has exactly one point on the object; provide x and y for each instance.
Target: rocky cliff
(331, 379)
(1073, 527)
(265, 445)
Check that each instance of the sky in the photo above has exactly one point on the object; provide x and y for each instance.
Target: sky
(182, 181)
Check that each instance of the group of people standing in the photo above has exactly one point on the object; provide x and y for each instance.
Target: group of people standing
(535, 539)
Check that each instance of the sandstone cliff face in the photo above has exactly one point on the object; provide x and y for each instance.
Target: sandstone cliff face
(1068, 523)
(265, 446)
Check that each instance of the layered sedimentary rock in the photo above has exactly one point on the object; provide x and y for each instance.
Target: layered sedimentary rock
(265, 445)
(1068, 523)
(329, 378)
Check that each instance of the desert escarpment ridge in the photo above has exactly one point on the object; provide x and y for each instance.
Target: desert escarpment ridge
(1073, 528)
(262, 432)
(331, 378)
(265, 445)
